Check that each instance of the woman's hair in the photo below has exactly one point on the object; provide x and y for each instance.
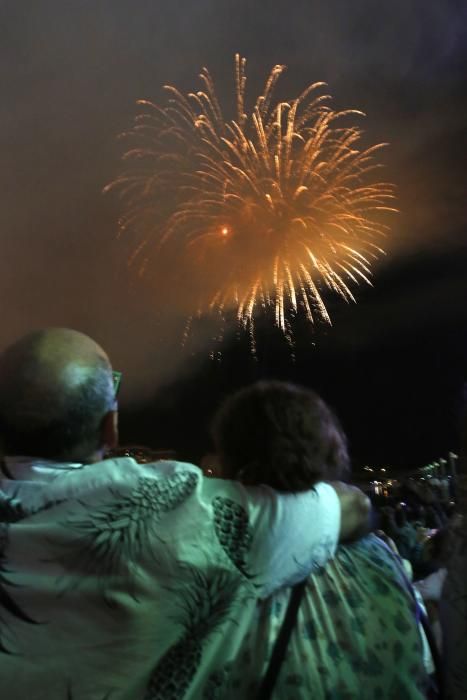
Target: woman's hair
(281, 435)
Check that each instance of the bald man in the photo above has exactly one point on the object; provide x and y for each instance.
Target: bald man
(57, 398)
(122, 581)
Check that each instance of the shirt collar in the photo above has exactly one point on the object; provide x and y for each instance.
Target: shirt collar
(26, 468)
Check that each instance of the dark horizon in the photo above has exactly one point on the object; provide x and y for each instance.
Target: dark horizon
(399, 395)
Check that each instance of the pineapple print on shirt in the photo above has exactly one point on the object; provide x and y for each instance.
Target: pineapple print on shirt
(113, 536)
(205, 604)
(8, 606)
(217, 683)
(233, 531)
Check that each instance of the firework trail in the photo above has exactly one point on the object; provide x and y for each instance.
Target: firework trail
(267, 210)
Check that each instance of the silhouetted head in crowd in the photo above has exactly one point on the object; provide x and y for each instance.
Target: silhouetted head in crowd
(57, 399)
(281, 435)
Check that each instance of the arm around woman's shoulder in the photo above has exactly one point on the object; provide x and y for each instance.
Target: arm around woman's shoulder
(286, 536)
(355, 511)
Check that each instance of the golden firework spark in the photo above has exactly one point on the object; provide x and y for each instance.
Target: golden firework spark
(267, 210)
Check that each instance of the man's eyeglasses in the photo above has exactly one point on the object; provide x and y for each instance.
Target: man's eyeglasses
(117, 377)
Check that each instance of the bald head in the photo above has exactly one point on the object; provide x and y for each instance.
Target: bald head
(56, 389)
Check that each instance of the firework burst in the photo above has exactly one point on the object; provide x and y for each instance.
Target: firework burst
(270, 209)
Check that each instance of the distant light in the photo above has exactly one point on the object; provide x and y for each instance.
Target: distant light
(383, 470)
(225, 231)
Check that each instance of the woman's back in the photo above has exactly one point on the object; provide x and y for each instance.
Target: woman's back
(356, 635)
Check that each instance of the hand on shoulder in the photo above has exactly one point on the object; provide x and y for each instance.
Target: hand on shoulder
(355, 511)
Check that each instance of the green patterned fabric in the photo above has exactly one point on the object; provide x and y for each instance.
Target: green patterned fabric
(356, 637)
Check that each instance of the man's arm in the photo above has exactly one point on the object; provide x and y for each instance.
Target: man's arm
(355, 511)
(283, 536)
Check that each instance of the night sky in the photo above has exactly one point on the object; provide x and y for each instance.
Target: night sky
(394, 364)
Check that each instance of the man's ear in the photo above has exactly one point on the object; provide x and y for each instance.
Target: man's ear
(109, 430)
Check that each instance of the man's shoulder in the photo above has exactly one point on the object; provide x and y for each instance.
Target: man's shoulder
(129, 468)
(123, 475)
(100, 483)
